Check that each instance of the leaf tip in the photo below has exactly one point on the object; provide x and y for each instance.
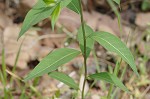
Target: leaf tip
(18, 38)
(20, 34)
(137, 74)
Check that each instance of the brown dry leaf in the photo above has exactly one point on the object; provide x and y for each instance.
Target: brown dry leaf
(94, 19)
(25, 6)
(95, 97)
(29, 3)
(69, 20)
(102, 22)
(4, 20)
(30, 47)
(44, 52)
(54, 42)
(142, 19)
(48, 86)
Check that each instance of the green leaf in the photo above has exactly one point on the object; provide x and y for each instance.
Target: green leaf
(145, 5)
(117, 1)
(50, 2)
(110, 78)
(74, 6)
(39, 12)
(89, 41)
(55, 15)
(64, 78)
(65, 3)
(114, 44)
(53, 61)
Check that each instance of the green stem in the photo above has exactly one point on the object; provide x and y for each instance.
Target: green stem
(96, 61)
(121, 78)
(84, 55)
(16, 60)
(116, 71)
(110, 91)
(4, 66)
(4, 74)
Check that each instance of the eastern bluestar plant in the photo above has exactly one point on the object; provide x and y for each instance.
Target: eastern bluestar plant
(86, 37)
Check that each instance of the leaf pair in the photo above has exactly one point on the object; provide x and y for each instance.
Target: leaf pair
(108, 41)
(51, 62)
(111, 43)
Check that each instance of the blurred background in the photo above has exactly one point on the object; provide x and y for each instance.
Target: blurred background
(23, 55)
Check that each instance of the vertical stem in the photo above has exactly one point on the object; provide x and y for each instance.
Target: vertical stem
(116, 71)
(16, 60)
(84, 55)
(110, 91)
(4, 74)
(3, 58)
(4, 66)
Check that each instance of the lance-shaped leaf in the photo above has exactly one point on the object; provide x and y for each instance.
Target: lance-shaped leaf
(55, 15)
(74, 5)
(53, 61)
(114, 44)
(110, 78)
(89, 41)
(39, 12)
(65, 79)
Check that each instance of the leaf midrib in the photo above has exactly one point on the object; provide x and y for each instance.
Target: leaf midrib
(26, 26)
(75, 7)
(51, 64)
(115, 48)
(36, 16)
